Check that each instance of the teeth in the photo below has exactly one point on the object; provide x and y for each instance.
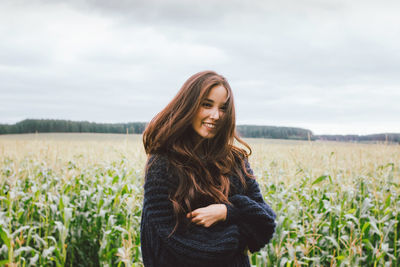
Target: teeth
(209, 125)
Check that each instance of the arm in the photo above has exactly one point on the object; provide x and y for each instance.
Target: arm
(256, 220)
(199, 244)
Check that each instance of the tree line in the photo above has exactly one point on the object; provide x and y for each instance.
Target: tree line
(382, 137)
(67, 126)
(274, 132)
(248, 131)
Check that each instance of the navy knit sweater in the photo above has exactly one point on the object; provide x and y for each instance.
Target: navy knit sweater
(250, 223)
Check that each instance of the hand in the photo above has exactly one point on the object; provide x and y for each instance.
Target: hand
(209, 215)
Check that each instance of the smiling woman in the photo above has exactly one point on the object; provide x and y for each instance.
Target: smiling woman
(206, 120)
(202, 205)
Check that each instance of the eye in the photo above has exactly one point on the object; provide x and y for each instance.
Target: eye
(206, 105)
(223, 108)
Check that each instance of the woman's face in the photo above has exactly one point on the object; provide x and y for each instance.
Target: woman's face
(210, 112)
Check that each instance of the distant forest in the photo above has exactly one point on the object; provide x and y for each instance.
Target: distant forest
(249, 131)
(274, 132)
(382, 137)
(66, 126)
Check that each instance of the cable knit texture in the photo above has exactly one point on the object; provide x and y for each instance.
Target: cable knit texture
(250, 223)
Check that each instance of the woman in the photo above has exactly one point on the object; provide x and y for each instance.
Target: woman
(202, 205)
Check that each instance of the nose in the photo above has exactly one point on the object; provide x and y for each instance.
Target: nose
(215, 114)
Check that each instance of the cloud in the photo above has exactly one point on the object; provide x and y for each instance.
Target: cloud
(289, 62)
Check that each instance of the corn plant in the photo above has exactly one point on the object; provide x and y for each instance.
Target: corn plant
(72, 201)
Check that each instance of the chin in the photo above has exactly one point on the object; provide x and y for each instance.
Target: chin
(204, 134)
(209, 136)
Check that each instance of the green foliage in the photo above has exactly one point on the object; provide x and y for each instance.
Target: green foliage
(335, 224)
(247, 131)
(58, 126)
(66, 126)
(90, 216)
(89, 219)
(274, 132)
(381, 137)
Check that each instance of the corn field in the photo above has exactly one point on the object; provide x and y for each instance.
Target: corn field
(75, 200)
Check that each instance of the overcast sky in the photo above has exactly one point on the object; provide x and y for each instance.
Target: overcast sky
(328, 66)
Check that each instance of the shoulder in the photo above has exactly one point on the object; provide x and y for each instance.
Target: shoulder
(243, 164)
(248, 169)
(156, 166)
(159, 170)
(241, 177)
(156, 162)
(251, 183)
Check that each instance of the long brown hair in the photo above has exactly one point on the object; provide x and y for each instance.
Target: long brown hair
(202, 167)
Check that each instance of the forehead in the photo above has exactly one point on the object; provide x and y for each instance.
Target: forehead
(218, 94)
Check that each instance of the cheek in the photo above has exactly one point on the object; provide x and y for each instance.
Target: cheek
(201, 114)
(197, 119)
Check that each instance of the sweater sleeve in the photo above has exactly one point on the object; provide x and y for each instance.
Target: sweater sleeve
(198, 244)
(256, 220)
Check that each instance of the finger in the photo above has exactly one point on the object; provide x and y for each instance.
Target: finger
(201, 222)
(196, 219)
(194, 213)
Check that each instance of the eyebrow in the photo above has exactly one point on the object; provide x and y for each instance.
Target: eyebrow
(212, 101)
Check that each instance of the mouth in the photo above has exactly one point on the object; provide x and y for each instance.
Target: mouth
(210, 126)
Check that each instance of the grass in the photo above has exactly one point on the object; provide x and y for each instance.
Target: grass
(75, 200)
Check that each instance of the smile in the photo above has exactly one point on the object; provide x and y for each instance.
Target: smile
(209, 125)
